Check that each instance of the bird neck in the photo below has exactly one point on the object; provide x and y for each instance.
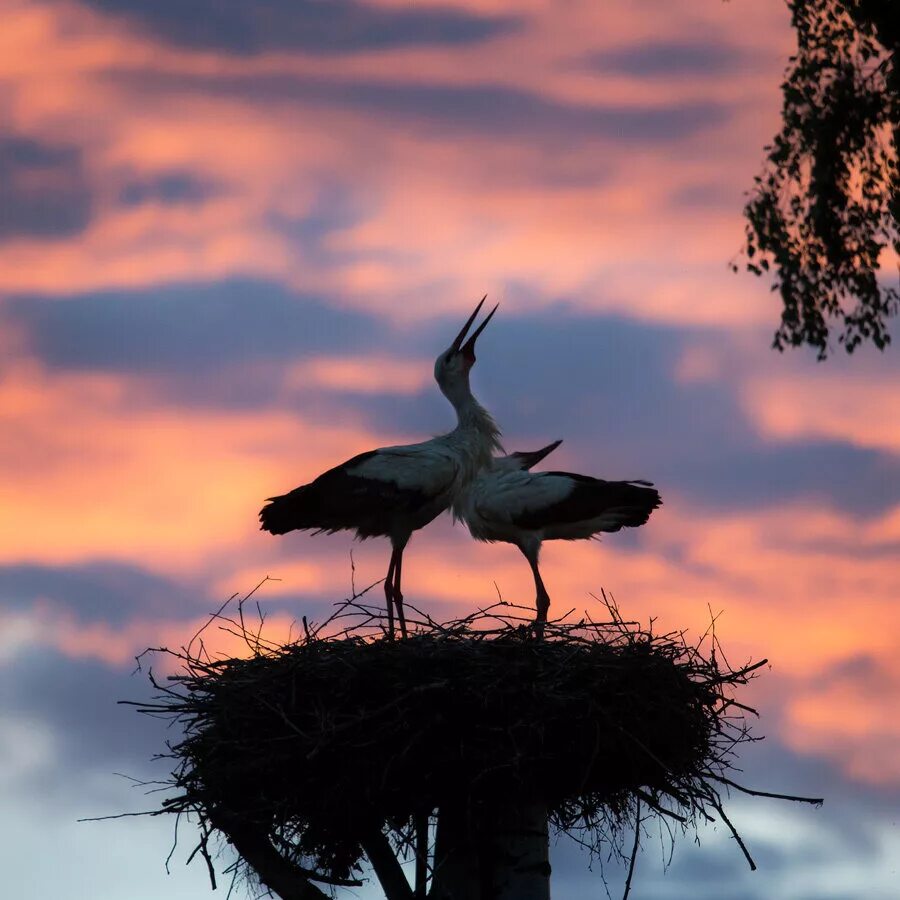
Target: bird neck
(476, 434)
(475, 439)
(473, 420)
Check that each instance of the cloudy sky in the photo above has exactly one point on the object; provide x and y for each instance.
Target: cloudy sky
(234, 236)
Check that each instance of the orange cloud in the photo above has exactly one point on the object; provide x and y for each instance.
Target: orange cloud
(850, 720)
(118, 646)
(93, 472)
(363, 375)
(505, 213)
(856, 410)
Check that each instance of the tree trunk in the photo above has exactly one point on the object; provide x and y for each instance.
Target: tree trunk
(498, 854)
(521, 854)
(455, 856)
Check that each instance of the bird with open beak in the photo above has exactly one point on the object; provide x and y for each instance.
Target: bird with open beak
(393, 491)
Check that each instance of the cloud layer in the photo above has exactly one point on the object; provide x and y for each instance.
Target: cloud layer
(233, 239)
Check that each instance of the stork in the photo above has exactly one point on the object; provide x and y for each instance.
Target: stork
(506, 502)
(393, 491)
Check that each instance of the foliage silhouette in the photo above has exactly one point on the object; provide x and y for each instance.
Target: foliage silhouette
(825, 209)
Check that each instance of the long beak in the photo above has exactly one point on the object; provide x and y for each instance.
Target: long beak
(468, 349)
(459, 338)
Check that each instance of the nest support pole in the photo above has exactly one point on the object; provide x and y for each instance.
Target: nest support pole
(501, 854)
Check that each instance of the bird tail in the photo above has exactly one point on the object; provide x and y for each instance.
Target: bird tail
(636, 501)
(297, 510)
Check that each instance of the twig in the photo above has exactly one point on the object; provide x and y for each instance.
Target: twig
(734, 832)
(814, 801)
(634, 848)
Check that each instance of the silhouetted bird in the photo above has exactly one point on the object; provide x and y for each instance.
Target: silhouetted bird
(506, 502)
(394, 491)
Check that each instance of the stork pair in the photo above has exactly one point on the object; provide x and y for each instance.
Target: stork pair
(394, 491)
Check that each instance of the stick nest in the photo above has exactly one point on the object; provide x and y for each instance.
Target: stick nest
(317, 743)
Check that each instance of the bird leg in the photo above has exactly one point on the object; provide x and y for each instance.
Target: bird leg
(398, 594)
(542, 600)
(389, 594)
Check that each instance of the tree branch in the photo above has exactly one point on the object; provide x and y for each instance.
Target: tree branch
(421, 856)
(274, 871)
(386, 866)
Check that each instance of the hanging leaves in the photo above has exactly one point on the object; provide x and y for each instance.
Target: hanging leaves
(823, 216)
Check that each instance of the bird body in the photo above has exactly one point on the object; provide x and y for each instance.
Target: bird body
(507, 502)
(388, 492)
(518, 506)
(394, 491)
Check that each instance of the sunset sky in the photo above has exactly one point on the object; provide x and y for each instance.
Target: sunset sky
(233, 238)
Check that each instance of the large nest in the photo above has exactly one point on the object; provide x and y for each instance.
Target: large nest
(319, 743)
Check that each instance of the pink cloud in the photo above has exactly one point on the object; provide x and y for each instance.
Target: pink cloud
(492, 205)
(828, 405)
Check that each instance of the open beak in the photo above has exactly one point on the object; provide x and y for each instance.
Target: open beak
(468, 349)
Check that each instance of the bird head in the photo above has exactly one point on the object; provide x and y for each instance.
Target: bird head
(453, 365)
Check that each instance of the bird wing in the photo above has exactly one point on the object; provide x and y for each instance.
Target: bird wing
(544, 500)
(368, 492)
(508, 496)
(426, 469)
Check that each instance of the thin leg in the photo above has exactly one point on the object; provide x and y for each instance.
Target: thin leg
(398, 594)
(389, 593)
(542, 599)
